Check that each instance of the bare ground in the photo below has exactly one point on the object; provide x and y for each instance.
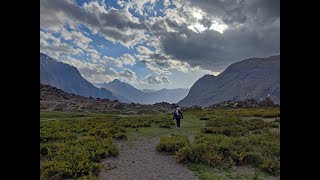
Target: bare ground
(138, 160)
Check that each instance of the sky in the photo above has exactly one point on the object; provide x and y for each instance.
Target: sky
(155, 44)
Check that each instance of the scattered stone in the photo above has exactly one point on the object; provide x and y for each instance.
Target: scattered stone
(246, 103)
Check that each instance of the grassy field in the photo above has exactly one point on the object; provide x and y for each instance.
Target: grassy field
(72, 144)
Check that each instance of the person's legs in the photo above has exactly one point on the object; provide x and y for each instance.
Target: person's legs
(178, 122)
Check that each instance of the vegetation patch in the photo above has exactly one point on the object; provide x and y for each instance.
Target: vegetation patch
(172, 143)
(72, 144)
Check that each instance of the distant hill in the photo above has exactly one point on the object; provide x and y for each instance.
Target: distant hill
(254, 78)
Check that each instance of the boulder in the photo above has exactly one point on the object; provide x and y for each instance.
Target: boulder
(267, 102)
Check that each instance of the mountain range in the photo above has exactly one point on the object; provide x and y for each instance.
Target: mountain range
(253, 78)
(67, 78)
(145, 96)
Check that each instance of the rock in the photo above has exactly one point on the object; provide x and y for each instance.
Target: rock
(235, 105)
(196, 107)
(130, 112)
(267, 102)
(117, 105)
(60, 107)
(248, 103)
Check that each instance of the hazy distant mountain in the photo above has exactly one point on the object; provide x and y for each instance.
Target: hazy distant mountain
(148, 90)
(133, 94)
(119, 88)
(254, 78)
(68, 79)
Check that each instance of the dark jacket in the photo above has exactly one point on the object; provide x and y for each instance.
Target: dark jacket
(180, 115)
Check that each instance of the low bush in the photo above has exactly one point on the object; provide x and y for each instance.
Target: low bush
(172, 143)
(260, 151)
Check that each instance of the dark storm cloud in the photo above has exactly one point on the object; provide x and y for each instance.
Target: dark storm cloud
(257, 36)
(214, 51)
(115, 24)
(240, 11)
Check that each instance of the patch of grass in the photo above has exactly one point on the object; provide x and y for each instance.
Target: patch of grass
(60, 115)
(204, 172)
(267, 112)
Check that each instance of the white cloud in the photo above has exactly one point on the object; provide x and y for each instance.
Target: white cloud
(143, 50)
(125, 59)
(140, 6)
(75, 36)
(93, 72)
(53, 46)
(166, 3)
(152, 79)
(128, 75)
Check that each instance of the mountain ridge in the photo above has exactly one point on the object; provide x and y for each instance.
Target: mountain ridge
(254, 78)
(67, 78)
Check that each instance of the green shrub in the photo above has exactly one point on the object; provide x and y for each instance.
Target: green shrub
(271, 166)
(72, 149)
(222, 150)
(183, 154)
(120, 135)
(69, 162)
(252, 158)
(172, 143)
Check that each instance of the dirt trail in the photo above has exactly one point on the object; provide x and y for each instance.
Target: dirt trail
(138, 160)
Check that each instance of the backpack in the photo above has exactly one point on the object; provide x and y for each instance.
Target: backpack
(176, 113)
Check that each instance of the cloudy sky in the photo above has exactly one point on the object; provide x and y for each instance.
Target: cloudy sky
(157, 44)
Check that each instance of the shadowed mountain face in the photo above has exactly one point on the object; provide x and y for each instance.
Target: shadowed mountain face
(254, 78)
(133, 94)
(68, 79)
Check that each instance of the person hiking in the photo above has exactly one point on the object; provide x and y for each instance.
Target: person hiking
(178, 115)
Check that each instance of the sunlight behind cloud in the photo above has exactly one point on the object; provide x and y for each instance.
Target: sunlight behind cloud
(218, 27)
(197, 14)
(198, 27)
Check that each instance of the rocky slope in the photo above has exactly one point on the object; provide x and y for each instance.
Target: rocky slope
(54, 99)
(254, 78)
